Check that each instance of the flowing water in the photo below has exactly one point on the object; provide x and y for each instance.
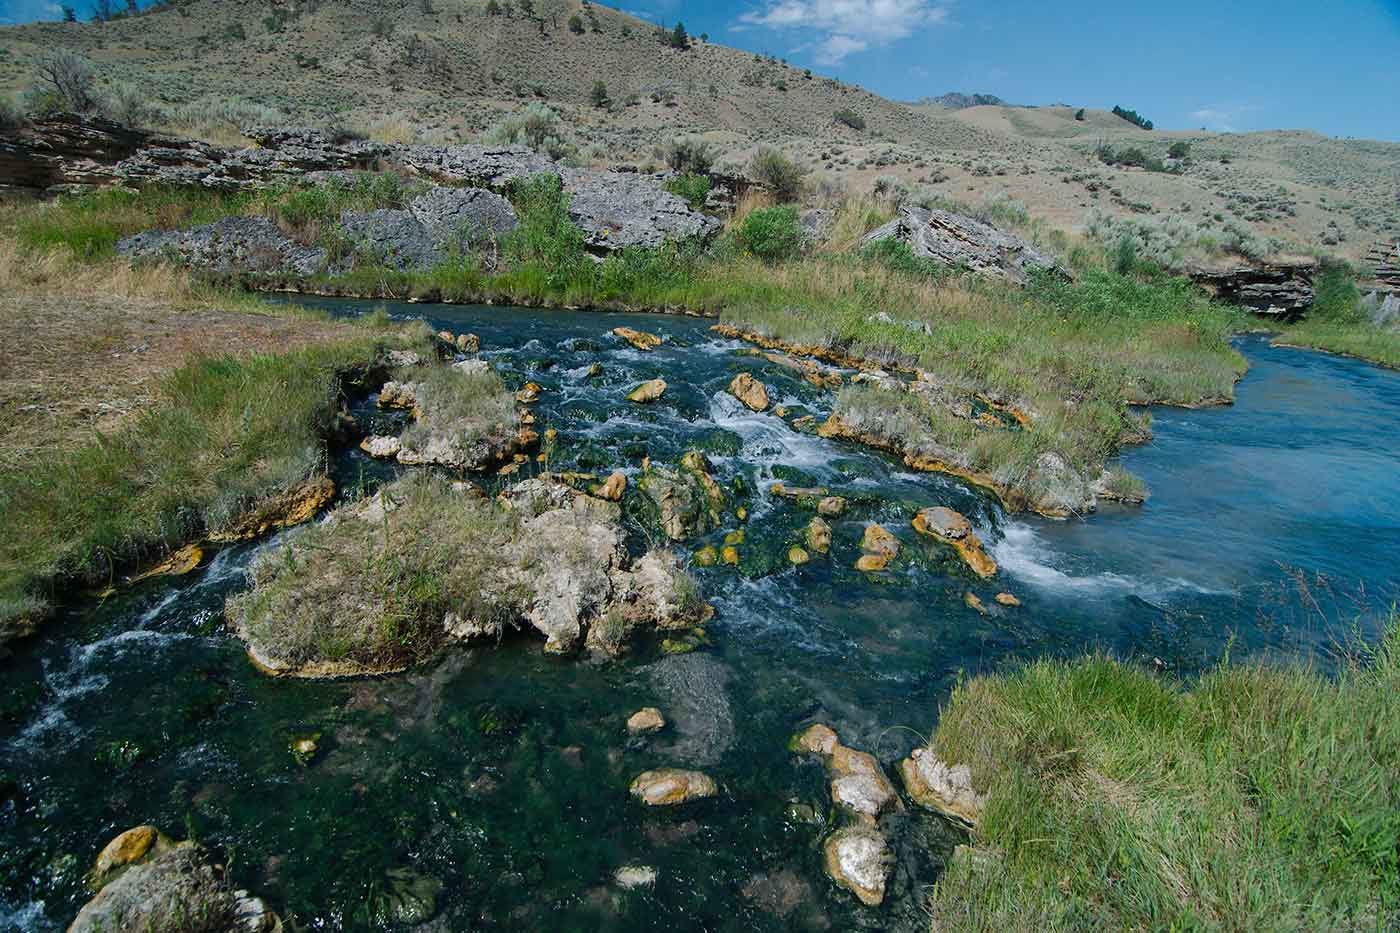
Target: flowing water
(497, 777)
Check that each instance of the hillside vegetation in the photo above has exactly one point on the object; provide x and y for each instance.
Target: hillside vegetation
(450, 70)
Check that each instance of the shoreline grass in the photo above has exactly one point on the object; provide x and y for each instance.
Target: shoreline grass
(1258, 797)
(206, 453)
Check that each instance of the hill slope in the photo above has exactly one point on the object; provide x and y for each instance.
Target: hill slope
(451, 73)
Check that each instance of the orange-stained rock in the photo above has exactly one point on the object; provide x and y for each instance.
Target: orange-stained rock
(750, 391)
(670, 786)
(639, 339)
(291, 508)
(954, 529)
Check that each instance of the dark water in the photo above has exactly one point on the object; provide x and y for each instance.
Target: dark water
(499, 775)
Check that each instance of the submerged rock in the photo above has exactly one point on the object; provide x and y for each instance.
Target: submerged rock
(859, 860)
(932, 783)
(818, 536)
(694, 689)
(688, 500)
(750, 391)
(671, 786)
(612, 488)
(1008, 600)
(645, 721)
(954, 529)
(974, 602)
(148, 883)
(631, 877)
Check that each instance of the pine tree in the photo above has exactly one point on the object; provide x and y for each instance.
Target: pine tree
(679, 39)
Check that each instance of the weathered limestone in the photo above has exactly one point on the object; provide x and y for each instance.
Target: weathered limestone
(879, 547)
(750, 391)
(961, 242)
(932, 783)
(648, 391)
(645, 721)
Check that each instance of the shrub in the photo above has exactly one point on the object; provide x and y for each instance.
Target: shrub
(678, 38)
(848, 117)
(891, 188)
(599, 95)
(576, 25)
(770, 167)
(770, 233)
(692, 156)
(128, 105)
(693, 188)
(1079, 114)
(11, 114)
(1179, 150)
(63, 80)
(536, 126)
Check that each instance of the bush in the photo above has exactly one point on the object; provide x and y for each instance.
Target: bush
(576, 25)
(128, 105)
(1079, 114)
(63, 81)
(688, 156)
(770, 233)
(784, 176)
(1336, 297)
(891, 188)
(599, 95)
(693, 188)
(11, 114)
(848, 117)
(1179, 150)
(537, 126)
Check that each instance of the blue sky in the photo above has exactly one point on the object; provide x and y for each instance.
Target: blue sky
(1244, 65)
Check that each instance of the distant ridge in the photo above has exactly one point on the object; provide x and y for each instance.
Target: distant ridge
(958, 101)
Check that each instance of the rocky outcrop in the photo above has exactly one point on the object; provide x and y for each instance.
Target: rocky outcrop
(149, 883)
(637, 338)
(232, 246)
(485, 166)
(465, 419)
(544, 557)
(961, 242)
(65, 151)
(617, 211)
(934, 784)
(1281, 288)
(463, 215)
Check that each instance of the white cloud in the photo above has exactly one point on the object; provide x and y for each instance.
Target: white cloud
(27, 11)
(845, 27)
(1223, 119)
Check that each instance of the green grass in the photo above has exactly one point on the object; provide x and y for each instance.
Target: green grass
(1338, 323)
(1260, 797)
(469, 407)
(210, 449)
(91, 224)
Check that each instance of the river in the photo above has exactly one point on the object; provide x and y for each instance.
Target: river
(497, 778)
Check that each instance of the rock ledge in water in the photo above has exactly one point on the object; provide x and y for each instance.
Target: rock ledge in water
(671, 786)
(934, 784)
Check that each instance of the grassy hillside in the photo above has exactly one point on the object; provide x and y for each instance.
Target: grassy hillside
(449, 74)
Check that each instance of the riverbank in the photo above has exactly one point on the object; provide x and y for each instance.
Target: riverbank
(1259, 796)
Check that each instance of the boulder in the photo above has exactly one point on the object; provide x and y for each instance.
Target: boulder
(859, 860)
(631, 877)
(619, 211)
(818, 536)
(859, 784)
(961, 242)
(293, 507)
(648, 391)
(381, 446)
(1008, 600)
(974, 602)
(394, 238)
(612, 488)
(639, 339)
(818, 739)
(154, 885)
(688, 500)
(398, 395)
(232, 246)
(671, 786)
(933, 784)
(954, 529)
(645, 721)
(879, 547)
(463, 216)
(750, 391)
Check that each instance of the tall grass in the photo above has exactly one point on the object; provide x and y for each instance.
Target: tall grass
(1262, 797)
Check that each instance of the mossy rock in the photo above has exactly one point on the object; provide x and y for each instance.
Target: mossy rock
(720, 442)
(791, 476)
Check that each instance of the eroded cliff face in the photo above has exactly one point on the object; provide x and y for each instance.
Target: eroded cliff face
(1281, 287)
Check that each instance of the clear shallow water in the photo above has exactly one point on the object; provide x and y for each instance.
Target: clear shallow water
(502, 774)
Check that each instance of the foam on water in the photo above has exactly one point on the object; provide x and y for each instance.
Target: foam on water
(1022, 554)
